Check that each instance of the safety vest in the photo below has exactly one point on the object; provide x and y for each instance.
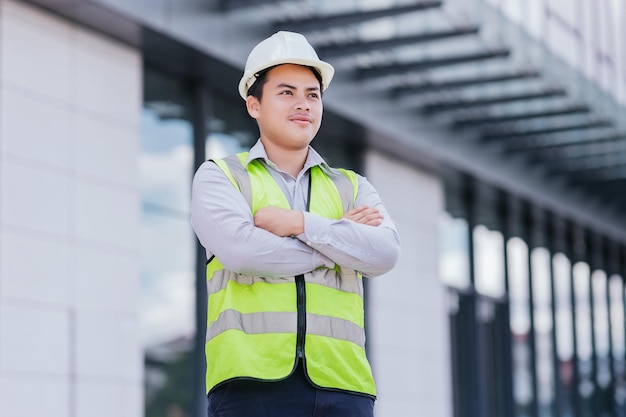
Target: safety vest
(258, 327)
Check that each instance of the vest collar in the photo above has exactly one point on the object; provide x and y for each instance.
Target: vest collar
(313, 158)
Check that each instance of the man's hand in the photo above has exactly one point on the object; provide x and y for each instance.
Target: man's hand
(364, 215)
(280, 221)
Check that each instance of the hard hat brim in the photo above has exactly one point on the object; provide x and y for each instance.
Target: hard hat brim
(324, 68)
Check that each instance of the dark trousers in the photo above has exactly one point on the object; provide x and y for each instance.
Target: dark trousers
(293, 397)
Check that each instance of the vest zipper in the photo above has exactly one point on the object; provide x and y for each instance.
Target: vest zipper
(301, 293)
(301, 303)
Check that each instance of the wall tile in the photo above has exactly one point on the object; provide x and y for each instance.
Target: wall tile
(31, 42)
(105, 282)
(34, 395)
(35, 129)
(33, 339)
(105, 399)
(106, 71)
(33, 197)
(108, 346)
(106, 214)
(106, 150)
(34, 268)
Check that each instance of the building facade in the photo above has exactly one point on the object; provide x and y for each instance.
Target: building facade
(492, 130)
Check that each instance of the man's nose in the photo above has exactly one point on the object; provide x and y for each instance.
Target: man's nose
(303, 104)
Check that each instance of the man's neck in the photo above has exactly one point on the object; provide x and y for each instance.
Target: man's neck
(290, 161)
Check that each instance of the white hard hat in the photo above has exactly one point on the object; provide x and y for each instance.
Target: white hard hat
(283, 48)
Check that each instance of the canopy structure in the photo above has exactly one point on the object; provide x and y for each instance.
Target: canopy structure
(449, 83)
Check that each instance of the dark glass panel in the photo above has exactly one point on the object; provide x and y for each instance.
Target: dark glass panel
(168, 251)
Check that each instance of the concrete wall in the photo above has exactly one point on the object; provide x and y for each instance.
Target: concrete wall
(408, 333)
(70, 102)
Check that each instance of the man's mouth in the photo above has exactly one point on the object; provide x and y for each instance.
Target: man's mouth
(301, 119)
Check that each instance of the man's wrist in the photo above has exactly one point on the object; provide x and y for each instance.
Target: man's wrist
(298, 223)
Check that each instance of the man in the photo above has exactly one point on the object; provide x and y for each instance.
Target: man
(288, 239)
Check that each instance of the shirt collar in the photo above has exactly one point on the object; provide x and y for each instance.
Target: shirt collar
(313, 158)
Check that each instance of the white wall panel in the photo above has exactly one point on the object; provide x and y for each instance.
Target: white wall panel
(106, 81)
(34, 197)
(35, 129)
(105, 214)
(34, 339)
(70, 102)
(408, 329)
(101, 398)
(103, 281)
(34, 268)
(105, 150)
(36, 51)
(34, 395)
(108, 346)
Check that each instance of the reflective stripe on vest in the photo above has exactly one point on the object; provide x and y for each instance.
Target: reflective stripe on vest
(252, 321)
(277, 322)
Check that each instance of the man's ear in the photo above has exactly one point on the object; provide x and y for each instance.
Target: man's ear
(253, 106)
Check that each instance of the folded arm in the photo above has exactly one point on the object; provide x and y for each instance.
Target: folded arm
(370, 248)
(364, 239)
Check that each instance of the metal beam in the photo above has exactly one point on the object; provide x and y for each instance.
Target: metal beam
(615, 184)
(333, 20)
(425, 87)
(487, 101)
(531, 146)
(588, 168)
(480, 121)
(611, 196)
(582, 152)
(226, 5)
(421, 65)
(498, 135)
(348, 48)
(610, 180)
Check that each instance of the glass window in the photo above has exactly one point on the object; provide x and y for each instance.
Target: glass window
(542, 293)
(583, 335)
(517, 251)
(168, 245)
(617, 316)
(616, 295)
(489, 261)
(454, 251)
(231, 129)
(601, 327)
(564, 331)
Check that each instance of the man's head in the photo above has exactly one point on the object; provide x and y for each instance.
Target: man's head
(290, 114)
(286, 73)
(282, 48)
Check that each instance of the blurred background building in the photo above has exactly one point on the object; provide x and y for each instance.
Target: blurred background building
(493, 129)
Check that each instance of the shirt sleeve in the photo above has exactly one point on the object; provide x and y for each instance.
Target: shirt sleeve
(223, 222)
(371, 250)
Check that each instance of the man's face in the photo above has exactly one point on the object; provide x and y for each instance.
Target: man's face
(290, 111)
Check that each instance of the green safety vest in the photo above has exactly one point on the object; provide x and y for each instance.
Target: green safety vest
(257, 327)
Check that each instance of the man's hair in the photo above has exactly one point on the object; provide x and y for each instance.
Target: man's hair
(256, 89)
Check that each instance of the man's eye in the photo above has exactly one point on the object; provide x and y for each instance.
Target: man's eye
(314, 95)
(286, 92)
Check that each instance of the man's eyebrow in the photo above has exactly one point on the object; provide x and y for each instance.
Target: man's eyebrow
(285, 85)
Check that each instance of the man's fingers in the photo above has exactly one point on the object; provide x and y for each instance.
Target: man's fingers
(372, 219)
(364, 215)
(360, 211)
